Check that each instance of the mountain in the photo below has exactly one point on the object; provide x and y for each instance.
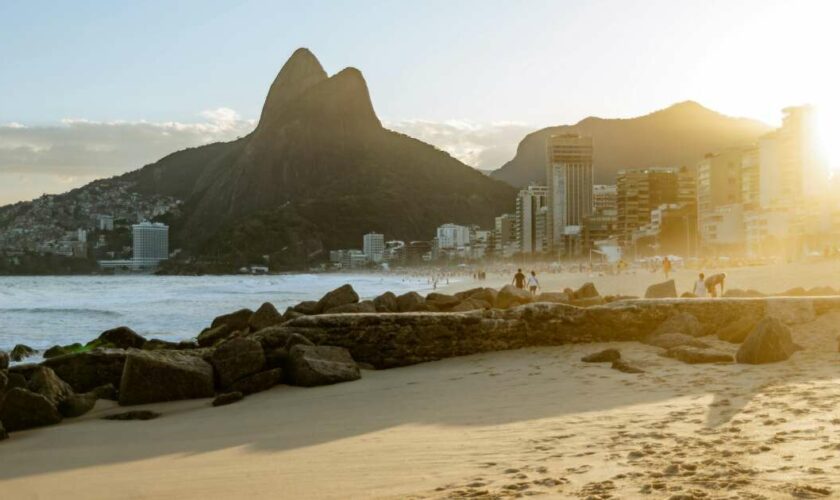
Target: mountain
(678, 135)
(317, 173)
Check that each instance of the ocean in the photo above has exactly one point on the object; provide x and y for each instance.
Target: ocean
(42, 311)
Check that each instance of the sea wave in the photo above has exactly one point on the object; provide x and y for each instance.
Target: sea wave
(60, 310)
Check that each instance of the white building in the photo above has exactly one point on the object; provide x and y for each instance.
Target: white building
(529, 202)
(452, 236)
(150, 243)
(373, 246)
(570, 184)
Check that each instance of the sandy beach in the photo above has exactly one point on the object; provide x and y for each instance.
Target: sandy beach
(535, 421)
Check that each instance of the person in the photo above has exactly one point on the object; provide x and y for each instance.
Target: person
(713, 281)
(533, 284)
(519, 279)
(700, 286)
(666, 266)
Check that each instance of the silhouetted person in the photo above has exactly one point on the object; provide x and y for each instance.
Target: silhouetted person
(713, 281)
(519, 279)
(666, 266)
(700, 286)
(533, 284)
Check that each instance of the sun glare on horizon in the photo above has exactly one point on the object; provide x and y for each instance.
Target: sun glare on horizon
(827, 130)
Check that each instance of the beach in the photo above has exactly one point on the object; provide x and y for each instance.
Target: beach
(492, 425)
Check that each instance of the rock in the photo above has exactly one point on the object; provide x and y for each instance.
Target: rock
(681, 322)
(237, 358)
(488, 295)
(589, 301)
(4, 360)
(45, 382)
(736, 331)
(121, 337)
(442, 301)
(338, 297)
(769, 342)
(106, 391)
(267, 315)
(21, 351)
(471, 304)
(3, 433)
(664, 290)
(77, 405)
(258, 382)
(791, 311)
(237, 320)
(16, 380)
(510, 296)
(291, 314)
(387, 302)
(625, 367)
(59, 350)
(153, 376)
(554, 298)
(794, 292)
(4, 381)
(410, 301)
(821, 291)
(587, 290)
(307, 307)
(605, 356)
(366, 306)
(687, 295)
(695, 355)
(211, 336)
(22, 409)
(228, 398)
(310, 366)
(669, 340)
(737, 292)
(86, 371)
(133, 415)
(158, 344)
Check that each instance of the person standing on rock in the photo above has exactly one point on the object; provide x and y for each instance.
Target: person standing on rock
(666, 266)
(700, 286)
(519, 279)
(713, 281)
(533, 284)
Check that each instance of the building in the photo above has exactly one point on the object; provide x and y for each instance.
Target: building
(105, 222)
(750, 176)
(348, 258)
(504, 235)
(150, 242)
(529, 203)
(570, 179)
(639, 191)
(604, 197)
(452, 236)
(718, 192)
(373, 246)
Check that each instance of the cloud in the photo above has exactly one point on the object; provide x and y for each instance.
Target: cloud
(39, 159)
(484, 146)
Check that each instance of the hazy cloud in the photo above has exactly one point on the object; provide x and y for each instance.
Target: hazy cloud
(483, 146)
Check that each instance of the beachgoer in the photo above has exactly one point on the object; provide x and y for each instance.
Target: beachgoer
(519, 279)
(713, 281)
(700, 286)
(666, 266)
(533, 284)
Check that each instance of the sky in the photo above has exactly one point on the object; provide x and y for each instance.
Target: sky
(90, 89)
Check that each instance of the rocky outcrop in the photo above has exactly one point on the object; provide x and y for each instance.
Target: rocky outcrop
(85, 371)
(586, 291)
(338, 297)
(22, 409)
(441, 301)
(664, 290)
(21, 352)
(307, 307)
(681, 322)
(266, 315)
(387, 302)
(695, 355)
(769, 342)
(153, 376)
(121, 337)
(483, 294)
(605, 356)
(510, 296)
(310, 366)
(237, 320)
(213, 335)
(410, 302)
(237, 358)
(45, 382)
(365, 306)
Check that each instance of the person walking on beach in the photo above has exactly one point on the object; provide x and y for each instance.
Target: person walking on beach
(713, 281)
(666, 266)
(700, 286)
(533, 284)
(519, 279)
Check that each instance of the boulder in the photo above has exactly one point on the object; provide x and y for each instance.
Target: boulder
(605, 356)
(61, 350)
(158, 344)
(22, 409)
(121, 337)
(769, 342)
(587, 290)
(681, 322)
(133, 415)
(4, 381)
(442, 301)
(45, 382)
(410, 301)
(589, 301)
(310, 366)
(791, 311)
(228, 398)
(387, 302)
(258, 382)
(85, 371)
(737, 292)
(290, 314)
(471, 304)
(624, 366)
(21, 351)
(687, 295)
(153, 376)
(664, 290)
(16, 380)
(4, 360)
(3, 433)
(794, 292)
(107, 391)
(338, 297)
(237, 358)
(670, 340)
(365, 306)
(736, 331)
(554, 298)
(510, 296)
(237, 320)
(213, 335)
(77, 405)
(307, 307)
(484, 294)
(267, 315)
(818, 291)
(696, 355)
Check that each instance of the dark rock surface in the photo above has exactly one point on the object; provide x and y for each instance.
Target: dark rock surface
(4, 360)
(211, 336)
(338, 297)
(122, 337)
(442, 301)
(307, 307)
(696, 355)
(228, 398)
(86, 371)
(61, 350)
(3, 433)
(22, 409)
(624, 366)
(605, 356)
(664, 290)
(266, 315)
(45, 382)
(310, 366)
(769, 342)
(365, 306)
(510, 296)
(410, 301)
(471, 304)
(554, 298)
(237, 320)
(77, 405)
(669, 340)
(21, 352)
(586, 291)
(387, 302)
(258, 382)
(153, 376)
(237, 358)
(133, 415)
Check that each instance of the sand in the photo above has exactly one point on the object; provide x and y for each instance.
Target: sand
(495, 425)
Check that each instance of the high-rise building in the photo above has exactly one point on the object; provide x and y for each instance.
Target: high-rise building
(639, 191)
(452, 236)
(529, 202)
(504, 235)
(750, 175)
(373, 246)
(604, 197)
(150, 243)
(718, 192)
(570, 180)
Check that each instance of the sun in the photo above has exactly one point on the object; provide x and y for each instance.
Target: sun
(827, 131)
